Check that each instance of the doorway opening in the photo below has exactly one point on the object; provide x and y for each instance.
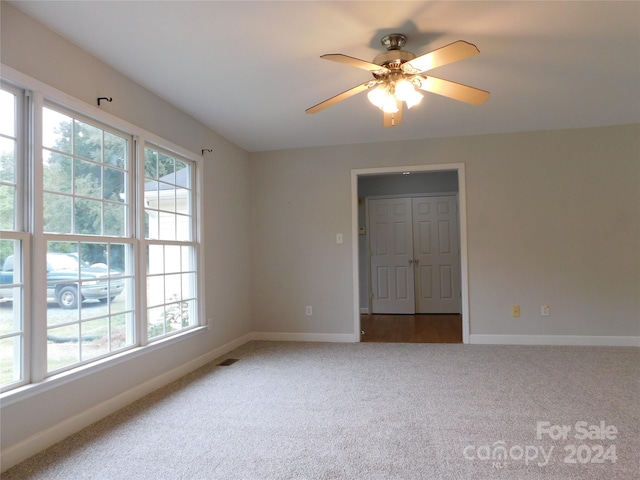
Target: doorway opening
(437, 181)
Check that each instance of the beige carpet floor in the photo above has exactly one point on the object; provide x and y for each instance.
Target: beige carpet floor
(289, 410)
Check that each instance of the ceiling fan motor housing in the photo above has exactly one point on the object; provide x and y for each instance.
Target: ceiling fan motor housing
(394, 57)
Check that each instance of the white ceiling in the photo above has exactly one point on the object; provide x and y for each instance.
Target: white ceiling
(249, 69)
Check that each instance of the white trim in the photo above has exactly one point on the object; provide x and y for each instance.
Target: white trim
(464, 266)
(462, 213)
(41, 440)
(355, 260)
(56, 380)
(204, 319)
(575, 340)
(364, 311)
(38, 286)
(413, 195)
(477, 339)
(139, 247)
(306, 337)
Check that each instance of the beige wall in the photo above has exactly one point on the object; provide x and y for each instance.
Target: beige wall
(553, 218)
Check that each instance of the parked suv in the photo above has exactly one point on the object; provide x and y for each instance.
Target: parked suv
(64, 272)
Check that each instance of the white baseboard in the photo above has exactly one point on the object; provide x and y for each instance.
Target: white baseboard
(38, 442)
(577, 340)
(306, 337)
(364, 311)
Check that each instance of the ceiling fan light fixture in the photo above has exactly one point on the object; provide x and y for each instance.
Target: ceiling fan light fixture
(390, 105)
(382, 97)
(378, 95)
(414, 99)
(404, 89)
(406, 92)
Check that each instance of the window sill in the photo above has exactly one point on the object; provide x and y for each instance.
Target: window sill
(23, 392)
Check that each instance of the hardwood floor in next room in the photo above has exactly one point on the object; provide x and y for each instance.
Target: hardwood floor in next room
(411, 328)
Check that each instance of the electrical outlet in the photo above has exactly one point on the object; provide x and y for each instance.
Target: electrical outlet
(309, 310)
(545, 310)
(515, 311)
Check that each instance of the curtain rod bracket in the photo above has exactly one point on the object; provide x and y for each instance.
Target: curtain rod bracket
(206, 150)
(108, 99)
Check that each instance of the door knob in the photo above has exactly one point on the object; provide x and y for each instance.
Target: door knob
(410, 261)
(417, 261)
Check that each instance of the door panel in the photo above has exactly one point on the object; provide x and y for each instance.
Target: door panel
(423, 240)
(446, 282)
(401, 244)
(382, 290)
(444, 237)
(391, 249)
(403, 288)
(425, 286)
(437, 255)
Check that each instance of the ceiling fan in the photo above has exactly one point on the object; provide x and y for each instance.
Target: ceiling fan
(398, 75)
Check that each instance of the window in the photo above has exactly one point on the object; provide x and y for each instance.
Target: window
(89, 250)
(8, 159)
(85, 177)
(99, 244)
(13, 240)
(171, 251)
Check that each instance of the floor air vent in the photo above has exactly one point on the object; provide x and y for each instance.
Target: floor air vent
(227, 362)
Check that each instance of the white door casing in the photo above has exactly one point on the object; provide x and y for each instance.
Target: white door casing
(357, 173)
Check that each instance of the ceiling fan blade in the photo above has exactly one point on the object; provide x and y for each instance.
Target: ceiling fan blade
(442, 56)
(342, 96)
(355, 62)
(454, 90)
(393, 119)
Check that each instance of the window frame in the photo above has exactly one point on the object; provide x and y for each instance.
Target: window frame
(147, 241)
(35, 377)
(20, 233)
(127, 237)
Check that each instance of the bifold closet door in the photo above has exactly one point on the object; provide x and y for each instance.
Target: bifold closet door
(391, 255)
(436, 254)
(414, 255)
